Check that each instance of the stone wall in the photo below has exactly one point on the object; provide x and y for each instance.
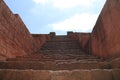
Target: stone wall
(105, 38)
(104, 41)
(15, 39)
(40, 39)
(83, 39)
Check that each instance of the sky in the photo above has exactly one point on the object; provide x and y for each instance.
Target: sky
(60, 16)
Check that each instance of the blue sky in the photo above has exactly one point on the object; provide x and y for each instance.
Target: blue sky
(60, 16)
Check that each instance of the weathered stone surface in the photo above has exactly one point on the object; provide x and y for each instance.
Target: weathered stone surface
(41, 75)
(72, 66)
(40, 39)
(105, 65)
(116, 74)
(15, 39)
(2, 58)
(93, 74)
(115, 63)
(101, 75)
(8, 75)
(105, 40)
(81, 75)
(61, 75)
(24, 75)
(83, 39)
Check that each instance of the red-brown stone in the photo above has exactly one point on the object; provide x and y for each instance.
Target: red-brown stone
(15, 39)
(105, 40)
(83, 39)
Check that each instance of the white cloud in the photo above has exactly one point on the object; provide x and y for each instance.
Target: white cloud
(63, 4)
(82, 22)
(40, 1)
(71, 3)
(79, 22)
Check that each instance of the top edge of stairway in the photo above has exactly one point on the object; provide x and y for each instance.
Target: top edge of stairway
(61, 35)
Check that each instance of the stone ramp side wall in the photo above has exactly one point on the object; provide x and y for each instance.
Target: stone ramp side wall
(83, 39)
(15, 39)
(40, 39)
(105, 40)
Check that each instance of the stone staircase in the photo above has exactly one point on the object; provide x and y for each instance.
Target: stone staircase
(59, 53)
(60, 58)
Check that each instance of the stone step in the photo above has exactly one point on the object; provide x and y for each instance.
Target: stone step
(58, 56)
(23, 59)
(62, 51)
(31, 59)
(93, 74)
(58, 48)
(51, 65)
(60, 43)
(30, 56)
(53, 59)
(62, 40)
(33, 55)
